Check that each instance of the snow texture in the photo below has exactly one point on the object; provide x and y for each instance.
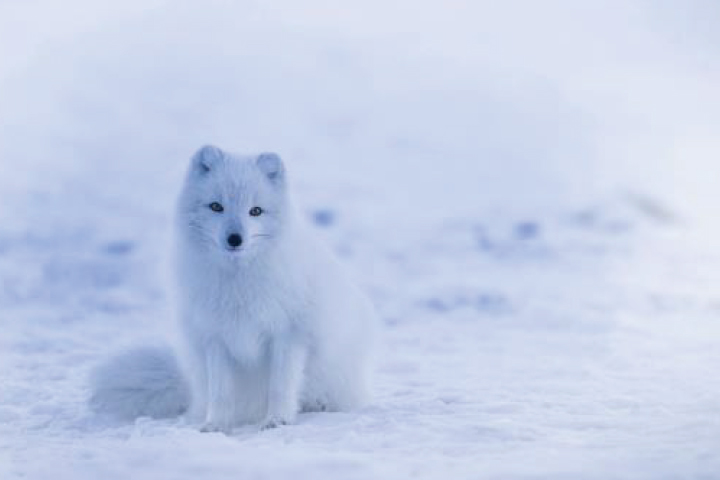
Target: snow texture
(526, 189)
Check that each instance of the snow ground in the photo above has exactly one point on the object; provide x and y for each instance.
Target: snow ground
(525, 190)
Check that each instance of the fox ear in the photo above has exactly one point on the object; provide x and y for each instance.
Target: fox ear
(272, 166)
(206, 158)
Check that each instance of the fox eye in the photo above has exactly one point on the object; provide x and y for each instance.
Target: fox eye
(256, 211)
(216, 207)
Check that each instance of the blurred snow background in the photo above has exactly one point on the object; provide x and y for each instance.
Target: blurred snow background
(527, 189)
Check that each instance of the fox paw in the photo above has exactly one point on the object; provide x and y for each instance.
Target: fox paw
(273, 422)
(315, 406)
(209, 427)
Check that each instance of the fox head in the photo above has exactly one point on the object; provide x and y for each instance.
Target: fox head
(233, 206)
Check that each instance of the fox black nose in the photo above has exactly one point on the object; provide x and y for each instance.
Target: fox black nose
(234, 240)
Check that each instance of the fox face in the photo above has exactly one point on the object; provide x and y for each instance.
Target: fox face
(232, 206)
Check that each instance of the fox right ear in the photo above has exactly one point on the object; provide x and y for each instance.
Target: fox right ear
(272, 166)
(206, 158)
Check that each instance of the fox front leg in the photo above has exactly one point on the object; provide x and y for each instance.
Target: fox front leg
(221, 390)
(287, 364)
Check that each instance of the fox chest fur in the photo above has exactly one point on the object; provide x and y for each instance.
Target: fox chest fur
(246, 310)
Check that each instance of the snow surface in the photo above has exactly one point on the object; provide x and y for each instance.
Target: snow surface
(528, 191)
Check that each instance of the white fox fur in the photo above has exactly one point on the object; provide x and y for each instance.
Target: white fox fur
(272, 325)
(144, 381)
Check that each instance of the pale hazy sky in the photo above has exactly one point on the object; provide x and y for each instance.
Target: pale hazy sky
(572, 95)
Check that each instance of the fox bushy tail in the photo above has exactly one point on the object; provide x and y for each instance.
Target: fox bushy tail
(141, 382)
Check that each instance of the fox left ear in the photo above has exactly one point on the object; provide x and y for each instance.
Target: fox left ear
(272, 166)
(206, 159)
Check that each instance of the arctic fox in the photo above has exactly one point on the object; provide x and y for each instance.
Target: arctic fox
(271, 323)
